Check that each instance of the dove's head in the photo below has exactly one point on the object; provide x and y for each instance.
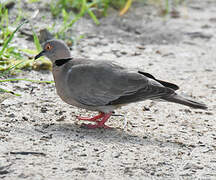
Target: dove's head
(55, 50)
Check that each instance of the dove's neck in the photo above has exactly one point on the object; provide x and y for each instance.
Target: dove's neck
(61, 62)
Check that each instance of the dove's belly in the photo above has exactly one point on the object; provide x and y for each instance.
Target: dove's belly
(65, 94)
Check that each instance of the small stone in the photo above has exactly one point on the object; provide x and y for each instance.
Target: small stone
(141, 47)
(80, 169)
(123, 52)
(61, 118)
(116, 154)
(59, 112)
(43, 110)
(24, 118)
(192, 166)
(12, 115)
(46, 137)
(146, 109)
(83, 155)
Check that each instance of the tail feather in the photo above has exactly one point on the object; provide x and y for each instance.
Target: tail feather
(184, 101)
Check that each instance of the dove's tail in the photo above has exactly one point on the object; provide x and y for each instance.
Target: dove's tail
(184, 101)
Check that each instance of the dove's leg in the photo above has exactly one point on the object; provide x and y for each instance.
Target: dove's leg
(94, 119)
(100, 124)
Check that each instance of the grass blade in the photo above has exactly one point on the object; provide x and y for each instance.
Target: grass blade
(92, 15)
(10, 68)
(126, 7)
(5, 45)
(36, 41)
(11, 92)
(29, 80)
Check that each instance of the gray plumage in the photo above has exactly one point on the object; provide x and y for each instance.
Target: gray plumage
(103, 85)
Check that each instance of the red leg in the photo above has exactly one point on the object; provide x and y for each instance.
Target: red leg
(100, 124)
(94, 119)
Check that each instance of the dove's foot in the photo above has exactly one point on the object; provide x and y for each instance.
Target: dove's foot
(94, 119)
(99, 124)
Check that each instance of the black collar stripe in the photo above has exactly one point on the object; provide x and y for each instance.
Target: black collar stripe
(61, 62)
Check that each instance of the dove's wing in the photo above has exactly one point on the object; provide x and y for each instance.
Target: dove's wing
(104, 83)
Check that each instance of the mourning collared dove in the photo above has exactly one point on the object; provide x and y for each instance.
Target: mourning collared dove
(103, 85)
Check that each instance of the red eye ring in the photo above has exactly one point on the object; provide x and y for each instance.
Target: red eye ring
(48, 47)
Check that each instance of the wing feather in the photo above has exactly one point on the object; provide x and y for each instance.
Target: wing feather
(103, 83)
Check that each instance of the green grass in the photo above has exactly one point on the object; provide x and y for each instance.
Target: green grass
(72, 10)
(11, 57)
(9, 53)
(166, 6)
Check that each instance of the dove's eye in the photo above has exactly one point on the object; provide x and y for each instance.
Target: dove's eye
(48, 47)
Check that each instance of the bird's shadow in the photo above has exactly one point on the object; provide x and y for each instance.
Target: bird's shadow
(112, 135)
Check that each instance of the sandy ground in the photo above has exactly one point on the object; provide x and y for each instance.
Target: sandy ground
(154, 140)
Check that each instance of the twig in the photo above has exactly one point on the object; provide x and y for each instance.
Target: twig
(28, 153)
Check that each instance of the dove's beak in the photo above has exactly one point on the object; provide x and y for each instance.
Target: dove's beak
(39, 55)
